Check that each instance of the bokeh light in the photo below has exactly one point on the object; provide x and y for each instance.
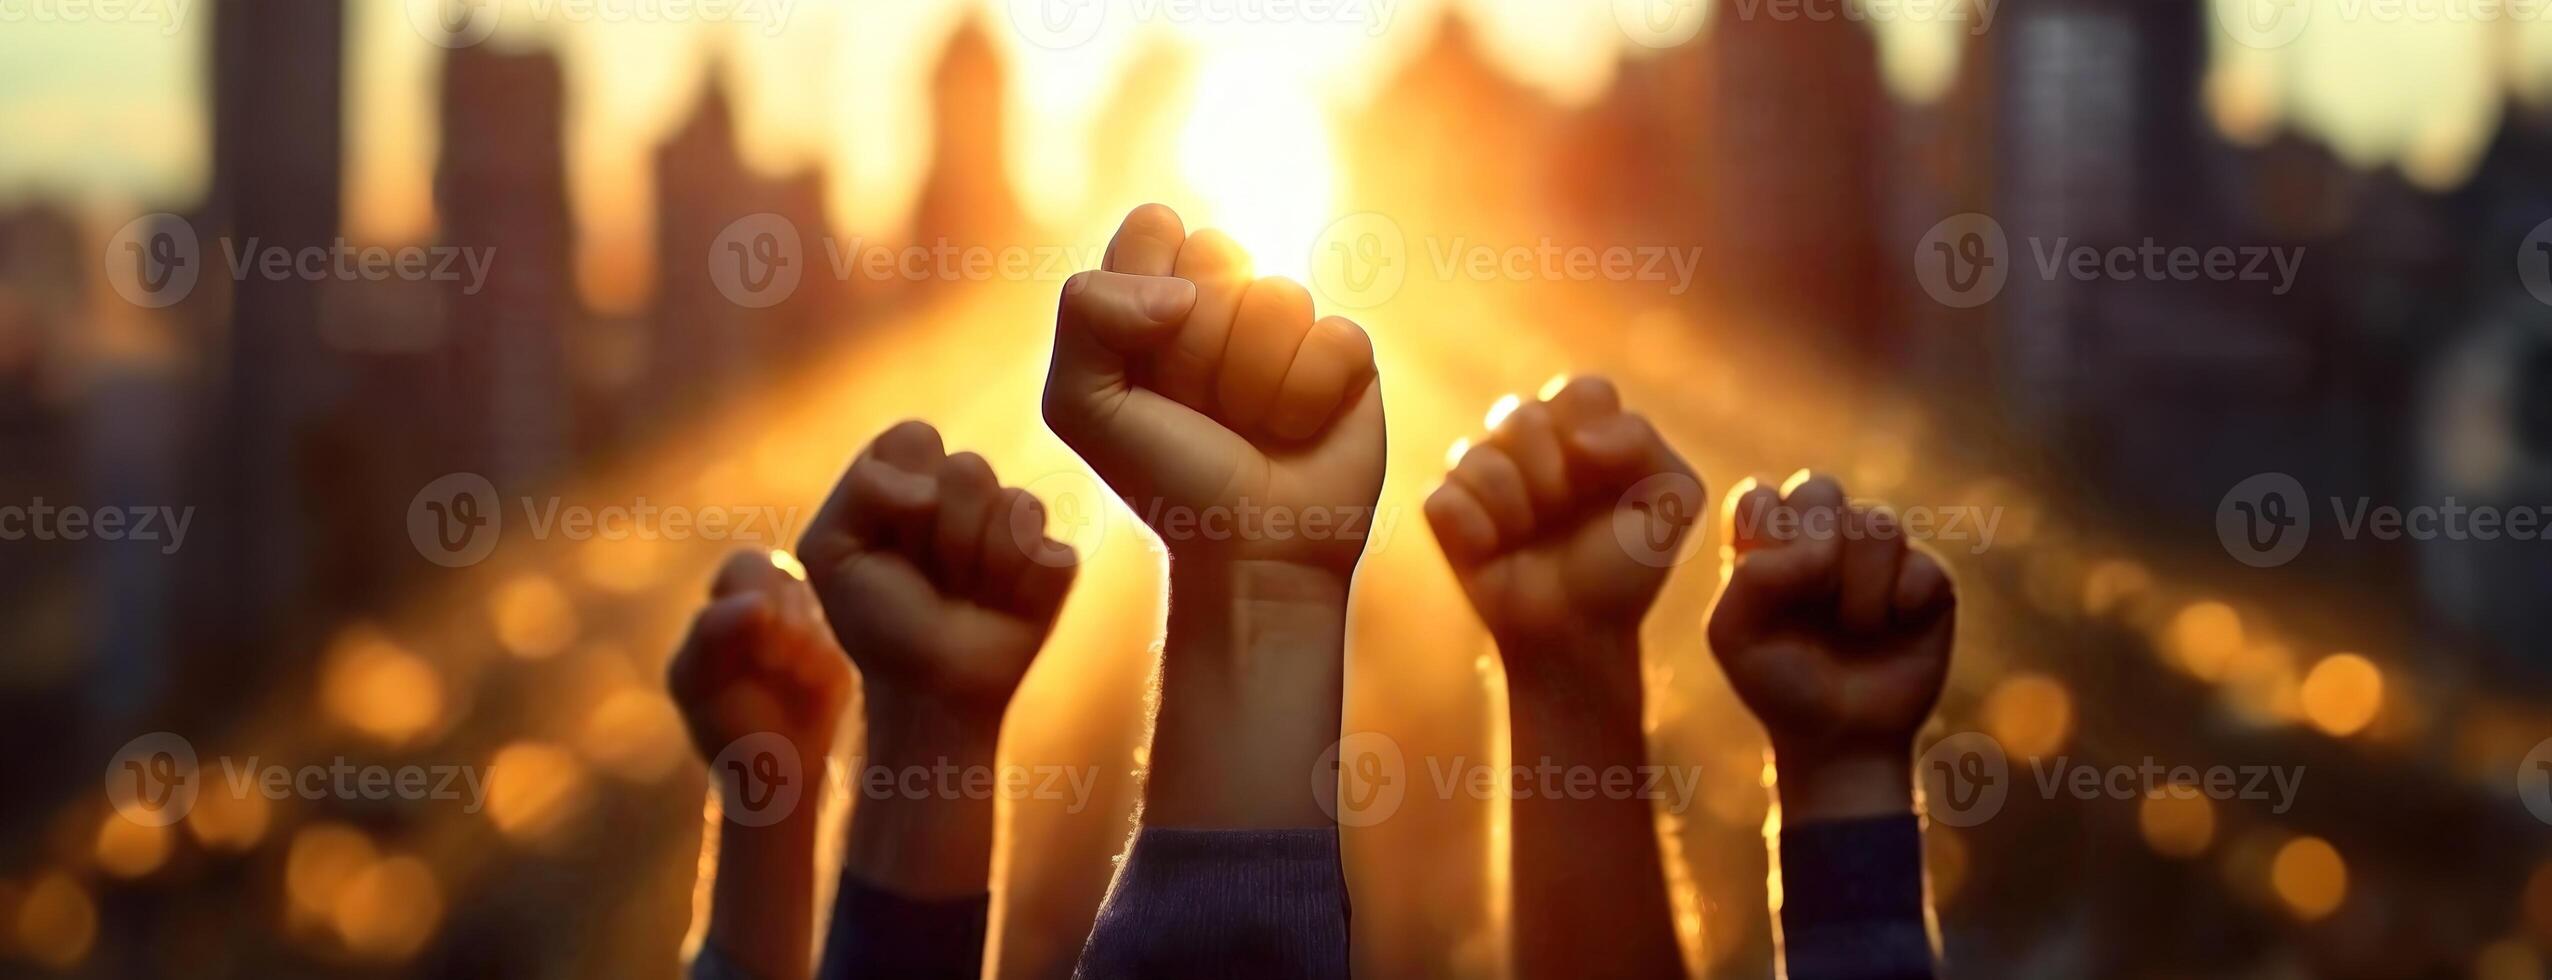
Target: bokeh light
(2342, 694)
(2030, 714)
(2309, 877)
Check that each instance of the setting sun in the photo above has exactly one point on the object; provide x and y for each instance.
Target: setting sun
(1258, 155)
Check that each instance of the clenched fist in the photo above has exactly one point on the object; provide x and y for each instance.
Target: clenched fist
(1233, 423)
(938, 580)
(759, 659)
(1565, 520)
(1836, 634)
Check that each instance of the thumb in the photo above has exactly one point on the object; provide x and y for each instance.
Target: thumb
(1105, 319)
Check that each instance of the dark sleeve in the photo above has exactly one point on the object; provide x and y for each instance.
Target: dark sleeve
(1223, 903)
(877, 933)
(1852, 900)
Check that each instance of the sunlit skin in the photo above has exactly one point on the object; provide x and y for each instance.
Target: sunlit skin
(1533, 520)
(759, 659)
(943, 585)
(1199, 394)
(1836, 634)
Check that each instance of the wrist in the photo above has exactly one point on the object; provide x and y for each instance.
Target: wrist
(908, 727)
(1251, 680)
(1844, 785)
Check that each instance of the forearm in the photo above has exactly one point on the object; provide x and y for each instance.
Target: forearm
(922, 816)
(762, 906)
(1251, 682)
(1589, 886)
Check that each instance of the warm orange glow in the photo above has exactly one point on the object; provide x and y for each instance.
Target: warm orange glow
(127, 849)
(2342, 694)
(1499, 410)
(634, 734)
(2203, 637)
(57, 922)
(533, 790)
(2030, 714)
(2309, 877)
(389, 909)
(323, 859)
(2507, 959)
(2110, 585)
(373, 686)
(226, 821)
(2177, 821)
(1945, 855)
(628, 566)
(1453, 454)
(1259, 153)
(533, 617)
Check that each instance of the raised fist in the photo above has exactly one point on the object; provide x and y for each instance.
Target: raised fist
(1836, 635)
(1565, 520)
(1233, 423)
(759, 659)
(939, 581)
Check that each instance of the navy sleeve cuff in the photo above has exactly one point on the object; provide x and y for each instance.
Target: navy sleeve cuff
(877, 933)
(1852, 900)
(1225, 903)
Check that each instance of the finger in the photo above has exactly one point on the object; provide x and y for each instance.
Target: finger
(1045, 582)
(1184, 370)
(1615, 451)
(1014, 532)
(1103, 320)
(1494, 481)
(880, 484)
(1584, 400)
(1750, 509)
(1531, 438)
(880, 593)
(1146, 243)
(749, 570)
(1463, 527)
(966, 492)
(1923, 590)
(1808, 520)
(1333, 360)
(1274, 317)
(1872, 547)
(717, 651)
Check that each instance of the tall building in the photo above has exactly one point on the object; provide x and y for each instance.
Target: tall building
(278, 133)
(966, 198)
(501, 186)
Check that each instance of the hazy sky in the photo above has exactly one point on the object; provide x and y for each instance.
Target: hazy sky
(114, 113)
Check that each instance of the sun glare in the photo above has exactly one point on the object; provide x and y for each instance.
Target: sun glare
(1257, 153)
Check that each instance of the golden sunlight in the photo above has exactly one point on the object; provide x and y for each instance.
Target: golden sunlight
(1258, 153)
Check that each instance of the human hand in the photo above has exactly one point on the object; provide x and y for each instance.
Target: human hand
(1238, 427)
(938, 580)
(1563, 523)
(759, 659)
(1837, 636)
